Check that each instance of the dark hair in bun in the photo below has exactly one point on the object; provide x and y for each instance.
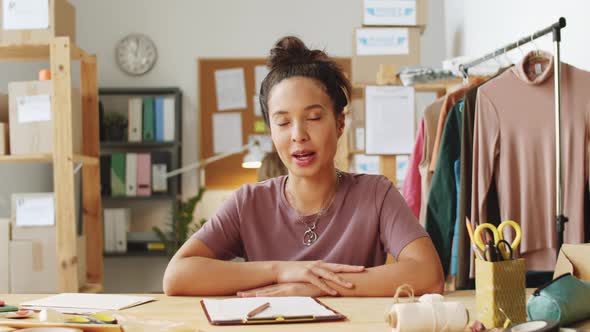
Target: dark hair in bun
(290, 57)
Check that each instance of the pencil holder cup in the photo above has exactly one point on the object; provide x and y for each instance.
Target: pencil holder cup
(500, 291)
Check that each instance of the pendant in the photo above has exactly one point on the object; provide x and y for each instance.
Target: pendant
(309, 237)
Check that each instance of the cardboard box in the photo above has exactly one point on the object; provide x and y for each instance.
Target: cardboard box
(573, 258)
(373, 47)
(394, 13)
(38, 26)
(31, 118)
(4, 142)
(4, 256)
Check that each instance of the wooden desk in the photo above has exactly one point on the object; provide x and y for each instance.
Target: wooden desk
(364, 314)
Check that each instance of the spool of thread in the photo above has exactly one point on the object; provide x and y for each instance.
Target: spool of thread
(429, 314)
(535, 326)
(44, 75)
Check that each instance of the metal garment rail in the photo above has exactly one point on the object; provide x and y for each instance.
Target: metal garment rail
(555, 29)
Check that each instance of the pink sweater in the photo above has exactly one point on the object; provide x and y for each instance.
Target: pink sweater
(514, 143)
(412, 189)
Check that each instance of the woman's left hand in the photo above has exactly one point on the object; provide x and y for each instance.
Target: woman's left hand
(286, 289)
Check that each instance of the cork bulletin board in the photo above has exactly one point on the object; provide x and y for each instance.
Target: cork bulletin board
(228, 173)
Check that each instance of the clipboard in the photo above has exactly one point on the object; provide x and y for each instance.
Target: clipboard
(277, 319)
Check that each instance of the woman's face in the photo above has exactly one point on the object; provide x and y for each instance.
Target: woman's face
(303, 125)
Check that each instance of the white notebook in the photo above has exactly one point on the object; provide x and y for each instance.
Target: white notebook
(75, 303)
(281, 310)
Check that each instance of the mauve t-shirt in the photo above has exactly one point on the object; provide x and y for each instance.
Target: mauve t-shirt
(367, 219)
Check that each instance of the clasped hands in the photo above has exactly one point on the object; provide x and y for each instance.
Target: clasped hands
(304, 279)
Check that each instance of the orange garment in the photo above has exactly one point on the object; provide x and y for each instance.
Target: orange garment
(449, 101)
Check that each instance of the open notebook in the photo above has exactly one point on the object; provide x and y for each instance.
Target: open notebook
(282, 310)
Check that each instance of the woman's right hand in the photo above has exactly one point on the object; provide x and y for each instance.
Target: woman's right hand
(313, 272)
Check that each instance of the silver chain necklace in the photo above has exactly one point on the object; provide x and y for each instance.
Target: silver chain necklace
(310, 235)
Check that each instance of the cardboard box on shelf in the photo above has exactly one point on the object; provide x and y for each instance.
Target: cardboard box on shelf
(31, 118)
(36, 21)
(4, 144)
(573, 258)
(4, 256)
(373, 47)
(395, 13)
(356, 132)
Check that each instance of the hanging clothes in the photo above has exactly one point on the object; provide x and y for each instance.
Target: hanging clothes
(411, 189)
(430, 118)
(449, 101)
(464, 244)
(514, 145)
(441, 211)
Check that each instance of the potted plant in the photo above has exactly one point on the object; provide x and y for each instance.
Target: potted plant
(181, 225)
(115, 126)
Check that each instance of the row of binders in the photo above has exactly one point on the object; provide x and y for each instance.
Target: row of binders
(151, 119)
(134, 174)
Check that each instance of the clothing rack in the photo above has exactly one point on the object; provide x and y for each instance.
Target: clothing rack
(555, 29)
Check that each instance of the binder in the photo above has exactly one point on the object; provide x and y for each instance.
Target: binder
(160, 166)
(105, 175)
(109, 230)
(159, 123)
(282, 310)
(144, 176)
(148, 120)
(118, 174)
(135, 119)
(169, 119)
(131, 174)
(121, 220)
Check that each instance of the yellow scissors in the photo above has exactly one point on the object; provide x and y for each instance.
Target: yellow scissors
(498, 236)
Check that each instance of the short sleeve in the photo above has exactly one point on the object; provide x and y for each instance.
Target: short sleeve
(221, 233)
(398, 226)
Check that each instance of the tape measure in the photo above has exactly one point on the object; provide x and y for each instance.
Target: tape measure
(535, 326)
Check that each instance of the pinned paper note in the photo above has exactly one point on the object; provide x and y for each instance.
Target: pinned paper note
(382, 41)
(359, 138)
(227, 132)
(35, 211)
(260, 73)
(265, 142)
(365, 164)
(259, 126)
(25, 14)
(257, 107)
(33, 108)
(230, 87)
(389, 122)
(390, 12)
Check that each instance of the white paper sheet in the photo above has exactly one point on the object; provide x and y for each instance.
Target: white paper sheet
(35, 211)
(359, 138)
(389, 123)
(366, 164)
(238, 308)
(260, 73)
(25, 14)
(33, 108)
(230, 87)
(390, 12)
(227, 132)
(382, 41)
(86, 303)
(264, 140)
(257, 107)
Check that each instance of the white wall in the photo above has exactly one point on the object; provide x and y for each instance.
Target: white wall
(475, 27)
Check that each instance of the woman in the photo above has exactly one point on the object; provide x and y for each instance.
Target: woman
(317, 231)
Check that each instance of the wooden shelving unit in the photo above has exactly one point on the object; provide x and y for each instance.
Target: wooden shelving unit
(60, 53)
